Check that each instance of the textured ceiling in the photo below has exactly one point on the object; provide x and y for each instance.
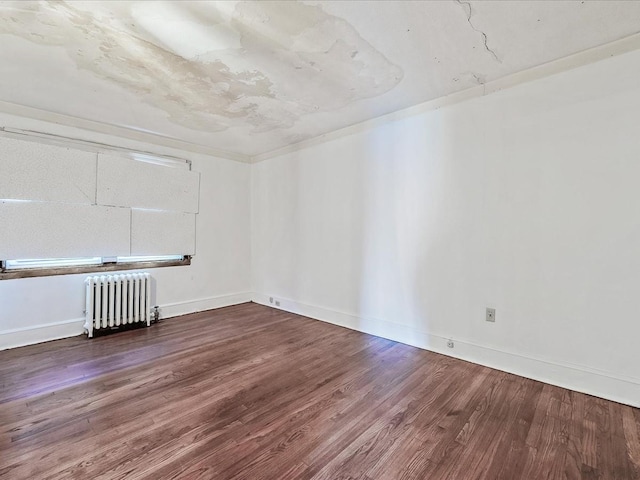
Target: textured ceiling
(251, 77)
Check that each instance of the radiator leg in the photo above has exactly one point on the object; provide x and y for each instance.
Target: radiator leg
(88, 326)
(147, 299)
(88, 319)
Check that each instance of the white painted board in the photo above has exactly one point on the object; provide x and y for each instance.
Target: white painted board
(37, 171)
(162, 233)
(49, 230)
(130, 183)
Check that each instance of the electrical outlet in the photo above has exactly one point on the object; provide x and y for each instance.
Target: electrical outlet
(450, 343)
(491, 315)
(270, 299)
(277, 303)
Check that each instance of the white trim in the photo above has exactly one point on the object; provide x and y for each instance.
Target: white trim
(117, 131)
(20, 337)
(592, 55)
(619, 388)
(200, 305)
(66, 141)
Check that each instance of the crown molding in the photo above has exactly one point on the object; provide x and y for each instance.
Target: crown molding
(585, 57)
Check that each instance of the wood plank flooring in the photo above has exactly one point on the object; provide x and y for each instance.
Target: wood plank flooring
(248, 392)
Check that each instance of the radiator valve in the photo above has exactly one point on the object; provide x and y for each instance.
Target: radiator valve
(156, 313)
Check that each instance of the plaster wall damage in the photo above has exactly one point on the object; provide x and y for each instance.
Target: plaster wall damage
(214, 65)
(241, 79)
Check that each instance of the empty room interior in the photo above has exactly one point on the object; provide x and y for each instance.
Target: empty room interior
(329, 240)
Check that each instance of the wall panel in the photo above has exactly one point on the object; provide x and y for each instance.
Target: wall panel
(162, 233)
(50, 230)
(36, 171)
(130, 183)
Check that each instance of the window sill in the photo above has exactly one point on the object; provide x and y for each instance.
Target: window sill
(106, 267)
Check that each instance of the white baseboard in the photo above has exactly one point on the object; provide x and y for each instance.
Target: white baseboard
(182, 308)
(20, 337)
(574, 377)
(70, 328)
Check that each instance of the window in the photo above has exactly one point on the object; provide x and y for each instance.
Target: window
(50, 263)
(91, 206)
(157, 258)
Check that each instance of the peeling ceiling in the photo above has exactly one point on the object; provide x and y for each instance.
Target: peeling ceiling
(251, 77)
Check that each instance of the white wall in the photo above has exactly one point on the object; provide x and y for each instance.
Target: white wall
(44, 308)
(526, 200)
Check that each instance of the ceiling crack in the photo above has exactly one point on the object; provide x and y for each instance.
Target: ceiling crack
(484, 35)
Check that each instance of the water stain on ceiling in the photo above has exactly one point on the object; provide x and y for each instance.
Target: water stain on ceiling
(214, 65)
(248, 78)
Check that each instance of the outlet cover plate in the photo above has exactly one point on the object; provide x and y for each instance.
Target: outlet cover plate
(491, 315)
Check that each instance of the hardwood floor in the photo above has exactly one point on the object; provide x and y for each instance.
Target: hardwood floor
(248, 392)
